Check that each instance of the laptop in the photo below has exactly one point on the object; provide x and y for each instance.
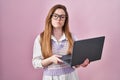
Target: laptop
(88, 48)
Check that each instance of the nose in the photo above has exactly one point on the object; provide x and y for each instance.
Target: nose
(59, 18)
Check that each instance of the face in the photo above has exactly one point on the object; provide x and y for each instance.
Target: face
(58, 18)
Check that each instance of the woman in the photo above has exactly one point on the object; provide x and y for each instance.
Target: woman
(55, 41)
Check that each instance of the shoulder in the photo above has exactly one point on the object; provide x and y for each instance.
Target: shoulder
(37, 38)
(74, 37)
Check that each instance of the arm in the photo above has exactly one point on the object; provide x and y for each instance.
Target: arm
(38, 61)
(37, 54)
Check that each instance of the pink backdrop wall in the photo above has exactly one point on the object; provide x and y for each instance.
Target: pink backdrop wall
(22, 20)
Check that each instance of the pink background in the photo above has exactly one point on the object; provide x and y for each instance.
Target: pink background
(22, 20)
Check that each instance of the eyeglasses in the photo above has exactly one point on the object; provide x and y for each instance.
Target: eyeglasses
(56, 16)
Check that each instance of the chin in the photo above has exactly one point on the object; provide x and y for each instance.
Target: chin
(57, 26)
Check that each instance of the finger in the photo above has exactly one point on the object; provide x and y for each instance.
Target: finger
(59, 56)
(59, 60)
(83, 65)
(87, 60)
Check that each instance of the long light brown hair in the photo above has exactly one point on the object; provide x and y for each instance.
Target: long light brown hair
(46, 45)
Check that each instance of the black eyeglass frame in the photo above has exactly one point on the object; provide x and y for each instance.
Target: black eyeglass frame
(58, 16)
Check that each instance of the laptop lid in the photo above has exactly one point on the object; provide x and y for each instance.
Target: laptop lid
(87, 48)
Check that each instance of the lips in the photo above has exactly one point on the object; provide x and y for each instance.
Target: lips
(58, 23)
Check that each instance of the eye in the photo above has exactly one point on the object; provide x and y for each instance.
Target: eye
(55, 15)
(63, 16)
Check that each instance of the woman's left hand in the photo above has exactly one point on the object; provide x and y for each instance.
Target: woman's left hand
(85, 63)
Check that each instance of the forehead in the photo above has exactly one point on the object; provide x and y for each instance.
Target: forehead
(59, 11)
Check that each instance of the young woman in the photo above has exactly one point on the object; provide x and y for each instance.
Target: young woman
(56, 40)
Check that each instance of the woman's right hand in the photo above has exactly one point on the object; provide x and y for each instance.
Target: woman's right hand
(56, 59)
(53, 59)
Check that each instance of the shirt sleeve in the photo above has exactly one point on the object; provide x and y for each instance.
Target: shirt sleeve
(37, 54)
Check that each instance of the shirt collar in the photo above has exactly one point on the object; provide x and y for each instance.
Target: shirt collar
(63, 37)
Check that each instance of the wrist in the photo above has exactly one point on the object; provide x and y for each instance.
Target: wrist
(50, 60)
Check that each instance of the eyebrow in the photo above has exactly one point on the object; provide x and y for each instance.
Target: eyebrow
(59, 14)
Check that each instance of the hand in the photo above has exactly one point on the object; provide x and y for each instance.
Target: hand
(85, 63)
(56, 59)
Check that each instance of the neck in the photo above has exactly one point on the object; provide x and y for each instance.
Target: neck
(57, 33)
